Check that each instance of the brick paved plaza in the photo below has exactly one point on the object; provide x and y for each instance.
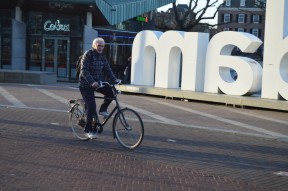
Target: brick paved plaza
(187, 146)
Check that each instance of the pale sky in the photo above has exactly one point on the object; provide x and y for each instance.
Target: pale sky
(201, 4)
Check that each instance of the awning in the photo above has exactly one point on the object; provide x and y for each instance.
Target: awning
(114, 11)
(117, 11)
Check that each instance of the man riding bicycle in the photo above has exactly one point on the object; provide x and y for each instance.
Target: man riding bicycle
(95, 68)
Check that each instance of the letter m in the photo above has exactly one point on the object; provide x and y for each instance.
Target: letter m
(169, 50)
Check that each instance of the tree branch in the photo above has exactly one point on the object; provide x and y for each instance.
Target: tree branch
(187, 20)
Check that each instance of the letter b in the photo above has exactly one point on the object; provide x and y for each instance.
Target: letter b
(275, 65)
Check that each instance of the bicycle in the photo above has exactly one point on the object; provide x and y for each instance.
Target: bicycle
(127, 126)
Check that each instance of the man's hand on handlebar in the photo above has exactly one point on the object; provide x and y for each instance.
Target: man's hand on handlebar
(95, 85)
(100, 84)
(117, 81)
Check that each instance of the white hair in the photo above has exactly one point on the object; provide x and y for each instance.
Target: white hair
(96, 40)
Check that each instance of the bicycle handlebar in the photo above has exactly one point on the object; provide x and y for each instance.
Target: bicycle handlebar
(102, 84)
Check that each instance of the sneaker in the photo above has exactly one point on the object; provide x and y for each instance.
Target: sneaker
(104, 113)
(91, 135)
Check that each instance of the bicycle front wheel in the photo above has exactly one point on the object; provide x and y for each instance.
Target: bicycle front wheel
(128, 128)
(77, 121)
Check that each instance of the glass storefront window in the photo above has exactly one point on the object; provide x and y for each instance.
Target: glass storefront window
(117, 55)
(75, 52)
(49, 55)
(35, 23)
(5, 42)
(6, 52)
(62, 57)
(118, 48)
(35, 57)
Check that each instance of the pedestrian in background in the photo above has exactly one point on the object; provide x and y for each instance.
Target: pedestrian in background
(127, 71)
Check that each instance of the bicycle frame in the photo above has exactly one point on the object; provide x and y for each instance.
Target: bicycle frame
(117, 108)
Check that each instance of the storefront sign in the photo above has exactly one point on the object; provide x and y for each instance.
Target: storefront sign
(56, 26)
(60, 5)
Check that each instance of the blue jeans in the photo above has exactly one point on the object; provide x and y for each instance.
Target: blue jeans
(89, 99)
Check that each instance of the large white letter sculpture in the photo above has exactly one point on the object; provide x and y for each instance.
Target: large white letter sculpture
(143, 58)
(193, 47)
(219, 61)
(214, 75)
(275, 65)
(168, 57)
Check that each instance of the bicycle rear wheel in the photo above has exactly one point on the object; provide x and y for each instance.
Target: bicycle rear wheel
(128, 128)
(78, 120)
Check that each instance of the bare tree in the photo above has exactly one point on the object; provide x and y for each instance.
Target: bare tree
(188, 20)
